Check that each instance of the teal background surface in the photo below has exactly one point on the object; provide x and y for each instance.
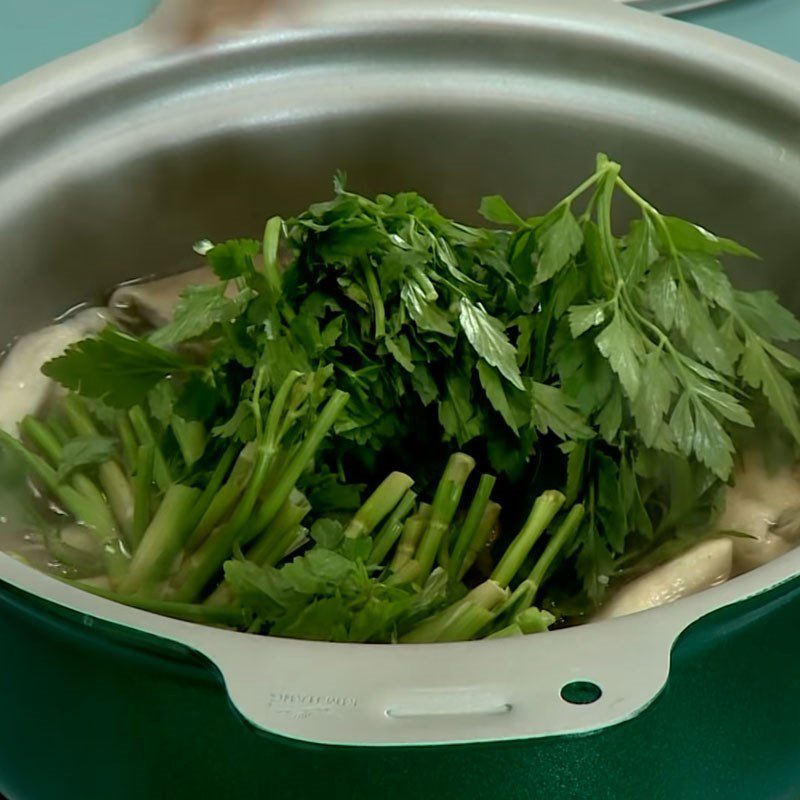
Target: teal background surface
(33, 32)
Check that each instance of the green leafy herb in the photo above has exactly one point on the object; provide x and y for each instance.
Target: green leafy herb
(113, 366)
(486, 335)
(198, 311)
(617, 365)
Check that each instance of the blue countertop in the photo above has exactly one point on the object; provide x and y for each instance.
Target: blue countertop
(35, 31)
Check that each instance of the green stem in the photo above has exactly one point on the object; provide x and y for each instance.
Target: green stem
(544, 509)
(413, 530)
(471, 525)
(585, 186)
(431, 629)
(43, 438)
(488, 523)
(113, 480)
(477, 614)
(74, 502)
(213, 486)
(607, 236)
(557, 543)
(392, 528)
(120, 496)
(407, 574)
(532, 620)
(223, 500)
(380, 504)
(575, 479)
(525, 594)
(144, 433)
(606, 193)
(295, 467)
(446, 623)
(277, 417)
(192, 439)
(221, 596)
(445, 505)
(86, 562)
(143, 491)
(443, 556)
(506, 633)
(273, 545)
(228, 616)
(272, 241)
(376, 298)
(162, 541)
(59, 429)
(520, 599)
(78, 417)
(294, 511)
(127, 437)
(202, 565)
(658, 219)
(467, 625)
(92, 513)
(291, 543)
(288, 543)
(527, 621)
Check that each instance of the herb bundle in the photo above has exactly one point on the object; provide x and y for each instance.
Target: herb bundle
(227, 463)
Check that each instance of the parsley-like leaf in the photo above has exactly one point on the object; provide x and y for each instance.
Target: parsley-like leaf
(640, 250)
(561, 241)
(682, 424)
(758, 370)
(710, 278)
(85, 451)
(115, 367)
(199, 309)
(712, 445)
(456, 411)
(766, 316)
(496, 209)
(622, 345)
(583, 318)
(661, 291)
(327, 533)
(688, 236)
(493, 386)
(654, 397)
(424, 310)
(609, 420)
(233, 258)
(551, 411)
(703, 337)
(487, 336)
(401, 351)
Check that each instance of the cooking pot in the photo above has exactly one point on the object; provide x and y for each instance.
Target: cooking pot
(114, 161)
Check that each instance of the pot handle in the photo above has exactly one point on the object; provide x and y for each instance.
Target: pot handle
(575, 680)
(547, 684)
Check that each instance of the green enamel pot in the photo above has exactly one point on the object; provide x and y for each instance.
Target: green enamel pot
(114, 161)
